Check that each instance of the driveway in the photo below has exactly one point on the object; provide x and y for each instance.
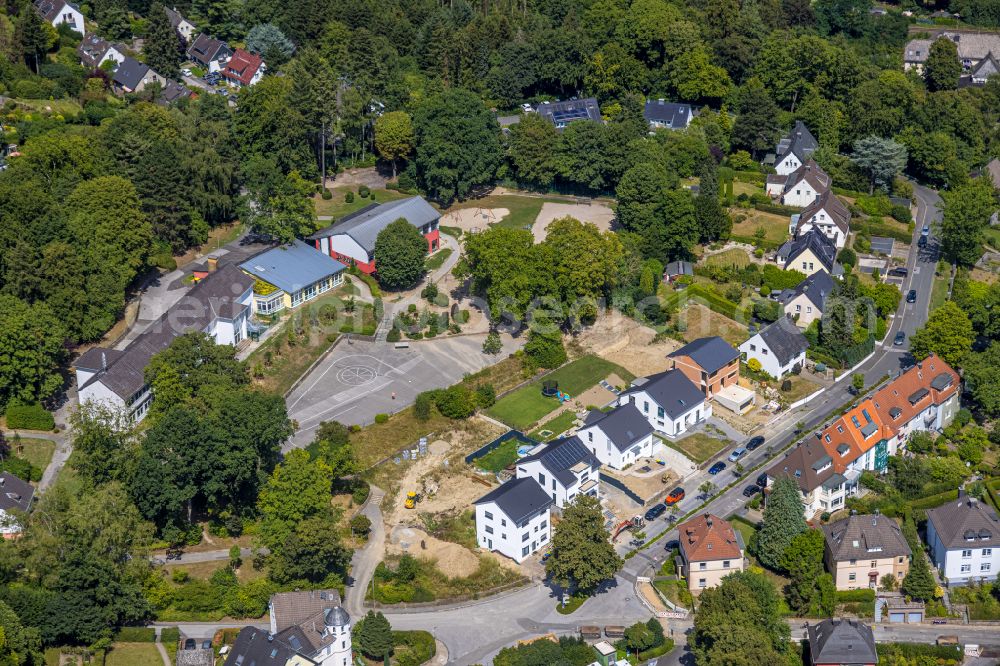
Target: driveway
(360, 379)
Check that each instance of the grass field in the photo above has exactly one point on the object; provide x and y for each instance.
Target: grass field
(525, 406)
(337, 207)
(939, 289)
(556, 426)
(992, 235)
(699, 447)
(436, 261)
(500, 457)
(801, 387)
(523, 209)
(36, 451)
(702, 322)
(749, 189)
(734, 257)
(133, 654)
(775, 226)
(63, 107)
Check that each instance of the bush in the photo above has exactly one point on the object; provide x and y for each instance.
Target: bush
(422, 406)
(136, 635)
(327, 194)
(851, 596)
(360, 492)
(786, 385)
(363, 191)
(455, 402)
(753, 365)
(393, 335)
(361, 524)
(420, 647)
(349, 197)
(169, 635)
(847, 257)
(430, 291)
(901, 214)
(381, 418)
(21, 468)
(29, 417)
(441, 300)
(486, 395)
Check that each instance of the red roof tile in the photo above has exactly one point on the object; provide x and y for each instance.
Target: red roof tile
(242, 66)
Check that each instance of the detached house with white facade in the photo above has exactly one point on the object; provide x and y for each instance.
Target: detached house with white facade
(619, 437)
(514, 519)
(564, 469)
(828, 215)
(669, 401)
(779, 347)
(15, 498)
(807, 301)
(794, 149)
(58, 12)
(964, 537)
(799, 188)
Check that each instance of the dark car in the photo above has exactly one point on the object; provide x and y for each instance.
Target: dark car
(922, 242)
(655, 512)
(911, 296)
(675, 496)
(717, 467)
(899, 271)
(899, 339)
(750, 491)
(762, 480)
(673, 544)
(189, 644)
(754, 443)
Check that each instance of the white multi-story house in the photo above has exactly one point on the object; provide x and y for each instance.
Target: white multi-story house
(618, 437)
(924, 397)
(219, 306)
(799, 188)
(58, 12)
(514, 519)
(807, 302)
(564, 469)
(779, 347)
(964, 538)
(794, 149)
(669, 401)
(828, 215)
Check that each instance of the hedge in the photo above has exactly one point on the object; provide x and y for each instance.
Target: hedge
(29, 417)
(856, 596)
(933, 501)
(668, 645)
(750, 240)
(136, 635)
(777, 209)
(421, 647)
(715, 302)
(170, 635)
(755, 177)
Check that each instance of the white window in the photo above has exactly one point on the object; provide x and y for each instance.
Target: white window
(753, 347)
(987, 552)
(524, 552)
(525, 536)
(489, 530)
(809, 309)
(985, 566)
(702, 566)
(966, 553)
(763, 350)
(798, 308)
(725, 564)
(852, 576)
(966, 568)
(702, 583)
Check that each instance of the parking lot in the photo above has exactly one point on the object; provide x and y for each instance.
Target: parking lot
(362, 379)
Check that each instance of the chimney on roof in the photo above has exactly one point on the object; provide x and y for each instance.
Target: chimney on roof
(708, 520)
(104, 361)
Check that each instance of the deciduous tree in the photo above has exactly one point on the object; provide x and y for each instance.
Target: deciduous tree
(967, 211)
(31, 351)
(943, 68)
(394, 139)
(880, 158)
(582, 554)
(400, 250)
(947, 333)
(163, 47)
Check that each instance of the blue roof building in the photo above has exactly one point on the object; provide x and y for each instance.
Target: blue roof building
(290, 275)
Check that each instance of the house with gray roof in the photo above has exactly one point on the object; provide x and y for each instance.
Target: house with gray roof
(564, 469)
(964, 539)
(779, 347)
(794, 149)
(973, 48)
(809, 253)
(351, 239)
(290, 275)
(660, 113)
(218, 305)
(94, 51)
(827, 214)
(861, 550)
(618, 437)
(132, 76)
(711, 363)
(668, 401)
(799, 188)
(58, 12)
(173, 92)
(208, 52)
(184, 28)
(567, 111)
(841, 642)
(514, 519)
(15, 498)
(806, 302)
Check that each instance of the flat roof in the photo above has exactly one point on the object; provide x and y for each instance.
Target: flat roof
(292, 267)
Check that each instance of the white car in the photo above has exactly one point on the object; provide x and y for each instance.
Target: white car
(737, 454)
(186, 71)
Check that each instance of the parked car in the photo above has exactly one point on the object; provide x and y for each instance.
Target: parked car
(186, 71)
(750, 491)
(737, 454)
(911, 296)
(655, 512)
(926, 231)
(675, 496)
(717, 467)
(900, 339)
(762, 480)
(922, 242)
(754, 443)
(899, 271)
(190, 644)
(673, 544)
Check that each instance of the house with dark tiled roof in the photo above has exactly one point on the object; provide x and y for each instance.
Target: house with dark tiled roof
(564, 469)
(619, 437)
(94, 51)
(15, 498)
(132, 76)
(669, 401)
(209, 52)
(964, 539)
(660, 113)
(799, 188)
(173, 92)
(779, 347)
(809, 253)
(794, 149)
(58, 12)
(184, 28)
(514, 519)
(244, 68)
(219, 306)
(836, 642)
(827, 214)
(568, 111)
(806, 302)
(973, 47)
(710, 363)
(986, 68)
(710, 549)
(860, 550)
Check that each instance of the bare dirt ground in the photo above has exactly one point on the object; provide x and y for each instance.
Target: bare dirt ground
(629, 344)
(596, 213)
(702, 322)
(474, 220)
(367, 176)
(453, 560)
(597, 395)
(650, 595)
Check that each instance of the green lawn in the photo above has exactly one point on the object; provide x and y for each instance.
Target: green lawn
(939, 289)
(526, 406)
(337, 207)
(734, 257)
(743, 526)
(523, 209)
(36, 451)
(775, 226)
(436, 260)
(500, 457)
(992, 235)
(63, 107)
(554, 427)
(699, 447)
(133, 654)
(801, 387)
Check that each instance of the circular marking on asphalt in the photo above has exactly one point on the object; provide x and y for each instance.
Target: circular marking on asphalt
(356, 375)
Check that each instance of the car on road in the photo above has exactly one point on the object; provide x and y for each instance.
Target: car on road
(899, 339)
(754, 443)
(899, 271)
(911, 296)
(717, 467)
(762, 480)
(737, 454)
(675, 496)
(189, 644)
(922, 242)
(673, 544)
(750, 491)
(926, 231)
(655, 512)
(186, 71)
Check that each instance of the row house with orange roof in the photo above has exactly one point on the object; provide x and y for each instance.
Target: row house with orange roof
(827, 466)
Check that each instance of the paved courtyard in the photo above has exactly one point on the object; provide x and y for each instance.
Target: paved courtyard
(358, 380)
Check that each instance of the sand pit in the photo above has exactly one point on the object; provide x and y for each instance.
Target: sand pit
(453, 560)
(595, 213)
(473, 220)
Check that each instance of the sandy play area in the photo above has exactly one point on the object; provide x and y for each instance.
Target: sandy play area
(453, 560)
(474, 220)
(595, 213)
(629, 344)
